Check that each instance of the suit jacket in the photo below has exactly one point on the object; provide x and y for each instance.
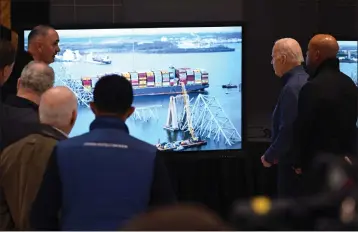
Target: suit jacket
(22, 166)
(13, 120)
(284, 114)
(327, 115)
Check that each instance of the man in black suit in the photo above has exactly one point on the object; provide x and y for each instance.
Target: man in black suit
(42, 47)
(327, 110)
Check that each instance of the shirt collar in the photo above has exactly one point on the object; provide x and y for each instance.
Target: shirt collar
(109, 122)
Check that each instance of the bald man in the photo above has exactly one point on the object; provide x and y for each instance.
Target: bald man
(24, 162)
(287, 58)
(327, 108)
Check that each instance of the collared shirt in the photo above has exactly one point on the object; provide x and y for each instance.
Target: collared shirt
(63, 133)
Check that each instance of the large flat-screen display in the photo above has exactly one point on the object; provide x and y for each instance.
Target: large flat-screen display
(186, 81)
(348, 58)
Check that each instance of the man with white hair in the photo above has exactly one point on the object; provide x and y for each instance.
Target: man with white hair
(287, 61)
(35, 79)
(24, 162)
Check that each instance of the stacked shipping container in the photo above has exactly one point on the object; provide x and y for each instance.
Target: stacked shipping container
(142, 79)
(163, 78)
(134, 79)
(87, 83)
(165, 75)
(197, 76)
(204, 77)
(158, 78)
(150, 79)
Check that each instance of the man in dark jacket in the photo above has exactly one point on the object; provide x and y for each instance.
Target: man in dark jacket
(36, 78)
(327, 108)
(42, 47)
(286, 60)
(25, 161)
(103, 178)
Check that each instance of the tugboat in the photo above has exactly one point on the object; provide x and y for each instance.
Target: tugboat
(229, 86)
(97, 59)
(104, 60)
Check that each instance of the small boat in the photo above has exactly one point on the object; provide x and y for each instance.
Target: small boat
(229, 86)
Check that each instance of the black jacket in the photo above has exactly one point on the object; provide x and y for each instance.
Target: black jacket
(18, 111)
(9, 88)
(327, 115)
(17, 123)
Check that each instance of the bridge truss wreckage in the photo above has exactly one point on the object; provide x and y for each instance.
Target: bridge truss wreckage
(85, 96)
(208, 119)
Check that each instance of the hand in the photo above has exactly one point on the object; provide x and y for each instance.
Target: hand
(265, 163)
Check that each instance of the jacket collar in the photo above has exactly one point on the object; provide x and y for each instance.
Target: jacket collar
(53, 132)
(21, 102)
(332, 64)
(287, 76)
(108, 122)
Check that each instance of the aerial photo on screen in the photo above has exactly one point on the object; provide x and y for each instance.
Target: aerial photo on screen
(186, 81)
(348, 58)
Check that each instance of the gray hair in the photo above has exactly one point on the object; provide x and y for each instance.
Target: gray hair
(291, 49)
(37, 76)
(57, 106)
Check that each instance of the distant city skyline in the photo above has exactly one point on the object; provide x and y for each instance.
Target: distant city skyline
(84, 33)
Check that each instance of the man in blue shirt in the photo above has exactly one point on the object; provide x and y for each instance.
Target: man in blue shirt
(287, 58)
(101, 179)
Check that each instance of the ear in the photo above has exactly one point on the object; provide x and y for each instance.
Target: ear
(283, 59)
(130, 111)
(74, 117)
(317, 54)
(18, 83)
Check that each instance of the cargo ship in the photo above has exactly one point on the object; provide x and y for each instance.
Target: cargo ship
(160, 82)
(189, 50)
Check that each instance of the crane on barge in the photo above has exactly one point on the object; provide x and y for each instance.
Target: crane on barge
(188, 113)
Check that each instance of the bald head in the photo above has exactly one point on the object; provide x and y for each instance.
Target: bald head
(58, 108)
(320, 48)
(286, 54)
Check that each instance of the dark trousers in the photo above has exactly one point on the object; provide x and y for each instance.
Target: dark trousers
(288, 182)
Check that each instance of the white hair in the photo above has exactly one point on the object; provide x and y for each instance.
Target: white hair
(57, 107)
(291, 49)
(37, 76)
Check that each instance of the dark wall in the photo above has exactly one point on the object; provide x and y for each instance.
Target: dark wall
(116, 11)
